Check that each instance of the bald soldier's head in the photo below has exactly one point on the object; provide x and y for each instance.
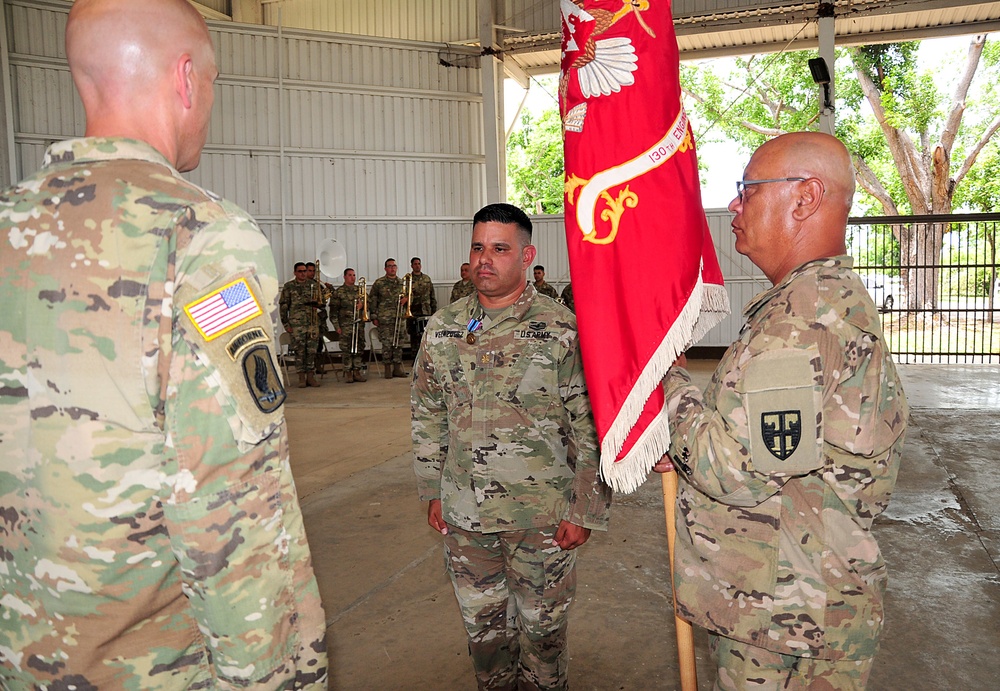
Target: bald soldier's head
(782, 223)
(144, 70)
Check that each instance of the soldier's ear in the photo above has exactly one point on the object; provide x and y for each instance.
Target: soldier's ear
(528, 255)
(808, 199)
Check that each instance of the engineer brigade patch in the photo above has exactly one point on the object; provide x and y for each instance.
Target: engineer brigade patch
(781, 431)
(262, 379)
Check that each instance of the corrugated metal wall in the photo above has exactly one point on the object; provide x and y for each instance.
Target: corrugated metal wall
(221, 6)
(427, 20)
(451, 20)
(380, 146)
(690, 8)
(531, 16)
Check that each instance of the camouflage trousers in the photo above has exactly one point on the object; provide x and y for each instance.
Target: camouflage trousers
(304, 343)
(416, 326)
(514, 589)
(743, 666)
(352, 361)
(386, 334)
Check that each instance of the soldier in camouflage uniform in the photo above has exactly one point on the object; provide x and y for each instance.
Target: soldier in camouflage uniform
(387, 305)
(567, 297)
(541, 286)
(346, 314)
(151, 534)
(793, 450)
(299, 308)
(505, 452)
(463, 287)
(423, 304)
(322, 316)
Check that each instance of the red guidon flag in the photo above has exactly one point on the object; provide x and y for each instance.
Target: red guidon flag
(646, 281)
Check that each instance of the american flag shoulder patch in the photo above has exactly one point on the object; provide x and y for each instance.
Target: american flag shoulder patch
(223, 309)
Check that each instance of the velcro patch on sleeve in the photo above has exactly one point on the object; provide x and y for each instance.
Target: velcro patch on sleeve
(243, 362)
(784, 412)
(223, 309)
(262, 378)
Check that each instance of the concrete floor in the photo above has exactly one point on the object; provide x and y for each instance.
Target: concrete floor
(393, 622)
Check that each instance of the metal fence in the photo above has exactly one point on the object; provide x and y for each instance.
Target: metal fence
(935, 282)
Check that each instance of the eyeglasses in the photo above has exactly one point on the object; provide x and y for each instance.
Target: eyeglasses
(741, 185)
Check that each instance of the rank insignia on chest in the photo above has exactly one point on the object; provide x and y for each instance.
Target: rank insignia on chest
(262, 379)
(781, 431)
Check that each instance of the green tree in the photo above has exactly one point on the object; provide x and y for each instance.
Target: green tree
(912, 145)
(535, 163)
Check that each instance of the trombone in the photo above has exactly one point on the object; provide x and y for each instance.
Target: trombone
(406, 292)
(359, 324)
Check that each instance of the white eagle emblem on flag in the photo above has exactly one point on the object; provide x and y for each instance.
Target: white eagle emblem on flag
(603, 65)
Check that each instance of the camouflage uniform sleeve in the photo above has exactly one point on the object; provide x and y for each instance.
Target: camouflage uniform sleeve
(590, 501)
(718, 445)
(285, 304)
(373, 297)
(434, 300)
(334, 311)
(454, 291)
(429, 417)
(232, 514)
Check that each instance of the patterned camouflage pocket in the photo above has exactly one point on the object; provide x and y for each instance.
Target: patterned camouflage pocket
(233, 551)
(784, 413)
(532, 382)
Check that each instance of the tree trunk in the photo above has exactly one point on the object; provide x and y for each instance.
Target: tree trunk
(920, 247)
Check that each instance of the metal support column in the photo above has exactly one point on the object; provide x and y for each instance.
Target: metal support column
(492, 84)
(828, 93)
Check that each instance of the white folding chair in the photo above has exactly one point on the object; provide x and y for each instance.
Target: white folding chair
(285, 352)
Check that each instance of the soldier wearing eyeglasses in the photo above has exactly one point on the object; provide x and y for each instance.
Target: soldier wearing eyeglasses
(792, 451)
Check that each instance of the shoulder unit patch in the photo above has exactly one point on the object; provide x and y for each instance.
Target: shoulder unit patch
(262, 379)
(782, 431)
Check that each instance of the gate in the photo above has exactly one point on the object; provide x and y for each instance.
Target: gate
(934, 280)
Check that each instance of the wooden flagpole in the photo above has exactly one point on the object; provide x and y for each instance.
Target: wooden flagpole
(685, 633)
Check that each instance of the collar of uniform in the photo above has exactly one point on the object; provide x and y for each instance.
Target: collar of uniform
(517, 310)
(763, 298)
(102, 149)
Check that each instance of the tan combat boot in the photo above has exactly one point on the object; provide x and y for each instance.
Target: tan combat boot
(359, 375)
(348, 376)
(397, 370)
(388, 371)
(302, 380)
(311, 379)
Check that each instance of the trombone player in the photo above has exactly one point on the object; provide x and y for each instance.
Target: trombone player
(423, 303)
(349, 312)
(388, 304)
